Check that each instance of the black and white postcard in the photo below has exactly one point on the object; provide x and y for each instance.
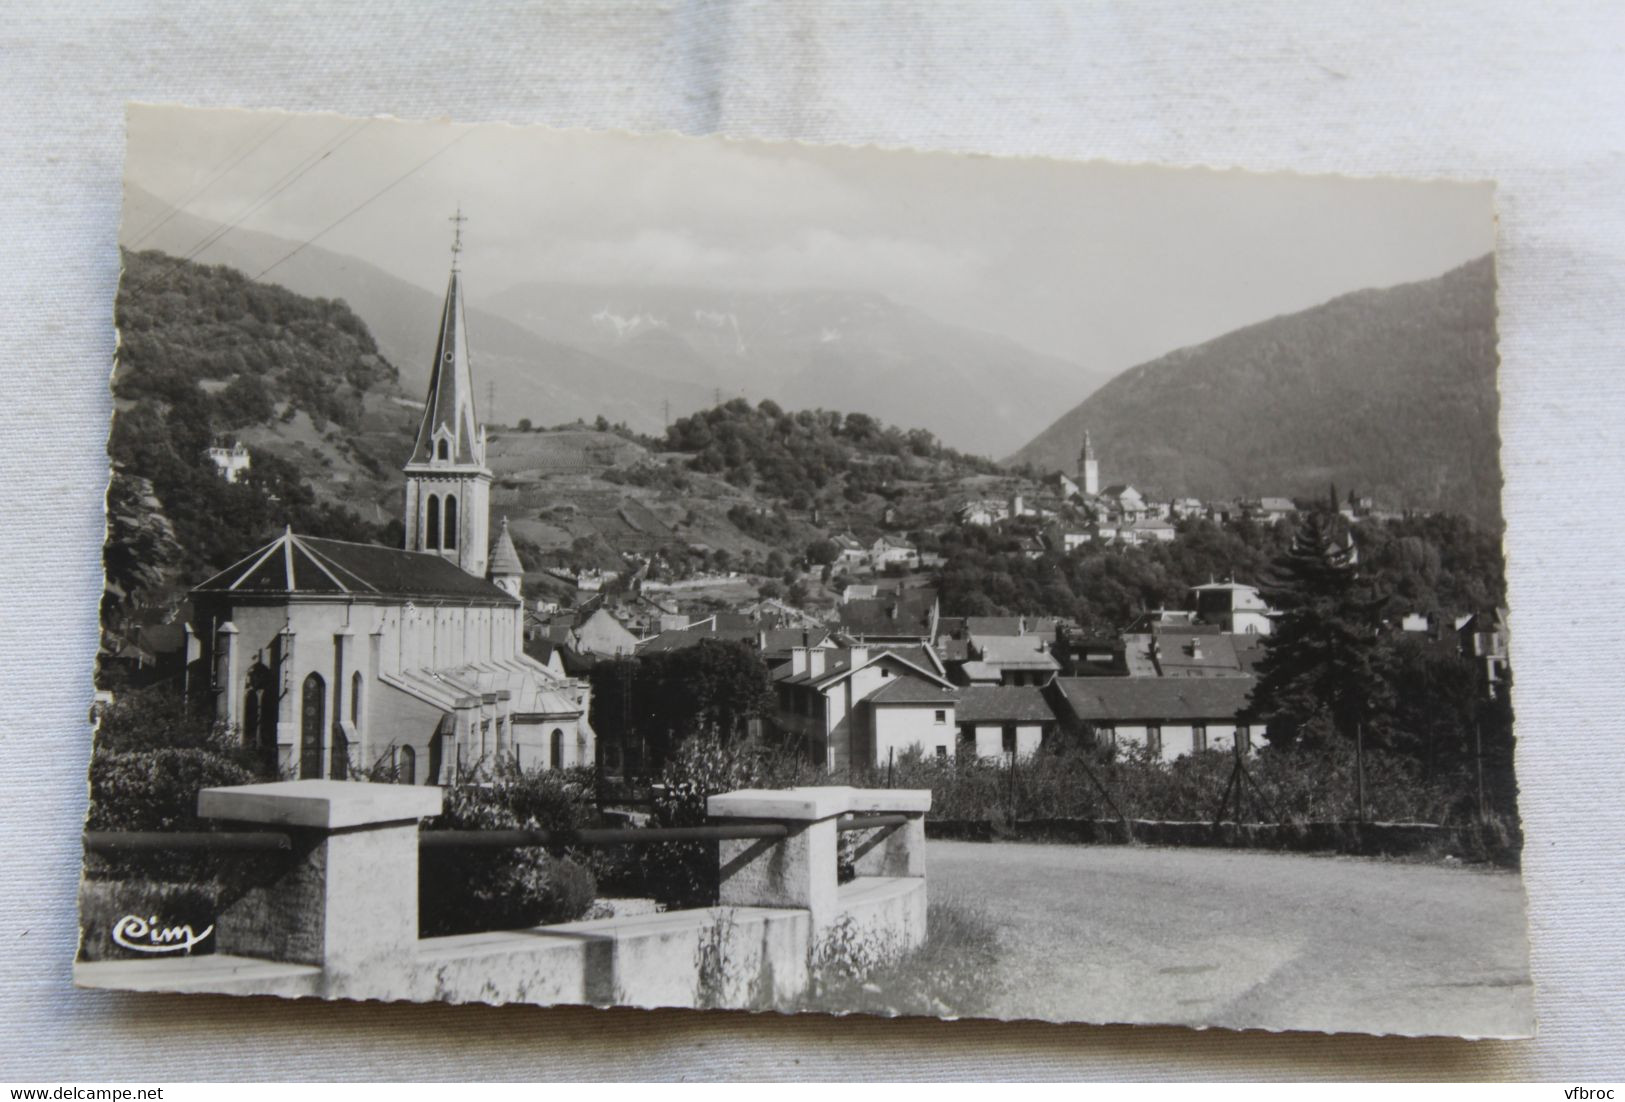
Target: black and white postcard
(577, 568)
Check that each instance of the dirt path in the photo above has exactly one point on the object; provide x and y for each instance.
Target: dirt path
(1242, 939)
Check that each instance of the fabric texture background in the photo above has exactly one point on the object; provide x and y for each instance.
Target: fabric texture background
(1528, 95)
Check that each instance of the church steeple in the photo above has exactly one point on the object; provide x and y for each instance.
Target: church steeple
(1088, 466)
(448, 486)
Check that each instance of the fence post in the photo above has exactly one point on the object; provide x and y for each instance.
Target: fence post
(348, 898)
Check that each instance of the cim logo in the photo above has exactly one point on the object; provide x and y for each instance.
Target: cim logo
(144, 935)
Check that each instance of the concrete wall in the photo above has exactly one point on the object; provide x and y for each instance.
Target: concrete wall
(338, 916)
(990, 739)
(1178, 739)
(900, 727)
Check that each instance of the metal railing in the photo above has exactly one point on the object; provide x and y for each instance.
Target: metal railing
(147, 841)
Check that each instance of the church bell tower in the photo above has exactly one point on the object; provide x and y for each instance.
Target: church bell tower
(1088, 467)
(448, 485)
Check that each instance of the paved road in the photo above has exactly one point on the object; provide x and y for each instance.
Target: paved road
(1244, 939)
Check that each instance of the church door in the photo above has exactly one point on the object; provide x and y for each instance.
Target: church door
(312, 719)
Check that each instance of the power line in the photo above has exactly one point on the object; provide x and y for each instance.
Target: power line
(353, 211)
(286, 181)
(176, 208)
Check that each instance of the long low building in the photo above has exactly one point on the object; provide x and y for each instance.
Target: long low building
(1169, 716)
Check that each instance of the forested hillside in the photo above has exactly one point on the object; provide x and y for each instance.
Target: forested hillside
(1388, 392)
(204, 354)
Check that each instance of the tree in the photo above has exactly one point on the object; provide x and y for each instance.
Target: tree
(524, 424)
(657, 700)
(1319, 674)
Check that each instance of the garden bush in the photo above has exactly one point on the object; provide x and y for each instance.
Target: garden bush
(464, 891)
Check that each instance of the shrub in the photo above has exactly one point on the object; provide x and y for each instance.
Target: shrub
(684, 874)
(467, 891)
(951, 974)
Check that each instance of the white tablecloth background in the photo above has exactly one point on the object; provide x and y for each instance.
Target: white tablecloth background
(1529, 95)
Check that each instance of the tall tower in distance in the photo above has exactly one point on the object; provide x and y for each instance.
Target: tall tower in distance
(448, 485)
(1088, 467)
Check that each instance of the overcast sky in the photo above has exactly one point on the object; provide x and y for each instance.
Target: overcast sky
(1088, 261)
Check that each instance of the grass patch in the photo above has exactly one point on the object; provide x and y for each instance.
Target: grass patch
(952, 975)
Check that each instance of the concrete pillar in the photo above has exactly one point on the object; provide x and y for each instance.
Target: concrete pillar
(287, 706)
(795, 871)
(347, 899)
(228, 702)
(892, 851)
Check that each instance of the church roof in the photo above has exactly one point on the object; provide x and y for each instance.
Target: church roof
(295, 564)
(504, 556)
(450, 404)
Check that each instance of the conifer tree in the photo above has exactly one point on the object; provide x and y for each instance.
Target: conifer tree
(1318, 676)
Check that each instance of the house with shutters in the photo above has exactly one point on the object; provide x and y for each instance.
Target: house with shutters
(332, 656)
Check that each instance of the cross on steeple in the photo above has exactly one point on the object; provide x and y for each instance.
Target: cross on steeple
(457, 221)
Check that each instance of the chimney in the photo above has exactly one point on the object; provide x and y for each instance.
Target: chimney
(1196, 649)
(798, 661)
(860, 655)
(815, 662)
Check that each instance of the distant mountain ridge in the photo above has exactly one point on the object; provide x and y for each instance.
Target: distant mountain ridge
(559, 352)
(856, 352)
(1387, 392)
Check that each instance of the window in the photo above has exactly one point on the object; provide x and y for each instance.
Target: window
(407, 771)
(431, 525)
(942, 716)
(1198, 737)
(355, 700)
(1153, 739)
(942, 753)
(450, 542)
(1106, 733)
(443, 451)
(885, 672)
(1244, 737)
(556, 751)
(1010, 739)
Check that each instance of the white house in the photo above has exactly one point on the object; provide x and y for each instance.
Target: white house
(891, 551)
(829, 702)
(1234, 608)
(1166, 717)
(1003, 721)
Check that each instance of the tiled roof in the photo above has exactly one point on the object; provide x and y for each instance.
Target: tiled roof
(1003, 703)
(993, 625)
(914, 690)
(1154, 699)
(1217, 655)
(1016, 652)
(905, 613)
(309, 565)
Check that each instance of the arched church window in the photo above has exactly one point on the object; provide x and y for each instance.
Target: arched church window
(443, 451)
(355, 700)
(431, 526)
(557, 749)
(312, 720)
(451, 523)
(407, 771)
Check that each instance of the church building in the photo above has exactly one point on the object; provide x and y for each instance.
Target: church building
(333, 656)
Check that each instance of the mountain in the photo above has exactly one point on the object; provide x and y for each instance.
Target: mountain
(812, 348)
(535, 378)
(642, 354)
(1386, 392)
